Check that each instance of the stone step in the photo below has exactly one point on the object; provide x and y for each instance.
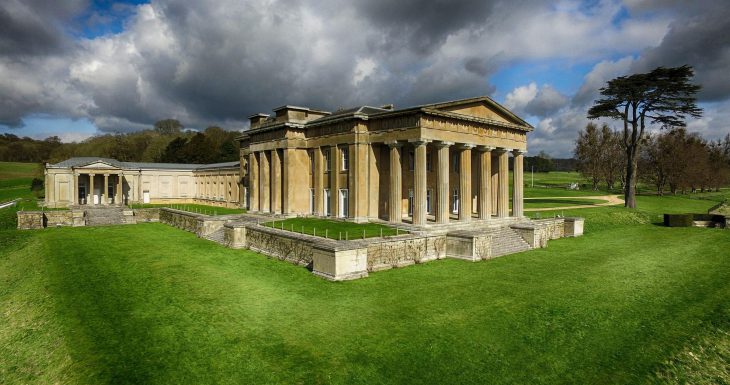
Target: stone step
(506, 241)
(217, 236)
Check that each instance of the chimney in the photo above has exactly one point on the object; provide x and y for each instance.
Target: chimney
(257, 119)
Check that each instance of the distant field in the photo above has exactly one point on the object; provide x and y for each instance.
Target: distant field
(15, 181)
(563, 202)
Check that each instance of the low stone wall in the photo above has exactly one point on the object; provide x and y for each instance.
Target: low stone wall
(147, 215)
(201, 225)
(403, 251)
(573, 226)
(468, 245)
(58, 218)
(284, 245)
(30, 220)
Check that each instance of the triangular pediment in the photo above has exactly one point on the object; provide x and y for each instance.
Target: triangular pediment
(98, 165)
(482, 107)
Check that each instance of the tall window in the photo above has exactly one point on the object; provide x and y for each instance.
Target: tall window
(344, 202)
(345, 158)
(310, 153)
(410, 202)
(428, 201)
(455, 201)
(326, 155)
(455, 162)
(327, 205)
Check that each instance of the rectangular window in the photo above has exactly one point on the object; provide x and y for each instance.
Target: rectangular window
(455, 201)
(327, 206)
(410, 202)
(428, 201)
(326, 155)
(455, 162)
(344, 202)
(345, 158)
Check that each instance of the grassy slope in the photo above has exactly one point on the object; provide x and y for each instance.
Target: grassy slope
(622, 304)
(334, 229)
(194, 208)
(15, 180)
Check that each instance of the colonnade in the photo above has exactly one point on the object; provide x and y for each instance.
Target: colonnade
(214, 186)
(485, 177)
(103, 197)
(268, 182)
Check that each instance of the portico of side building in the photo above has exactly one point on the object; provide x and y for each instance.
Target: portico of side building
(429, 164)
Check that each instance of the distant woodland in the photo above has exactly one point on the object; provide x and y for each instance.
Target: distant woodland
(167, 141)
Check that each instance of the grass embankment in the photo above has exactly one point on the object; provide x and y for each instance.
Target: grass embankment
(193, 208)
(334, 229)
(627, 303)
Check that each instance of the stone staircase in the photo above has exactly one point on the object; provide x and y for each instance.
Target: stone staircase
(506, 241)
(104, 216)
(217, 236)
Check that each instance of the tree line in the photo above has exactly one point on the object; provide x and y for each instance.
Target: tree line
(671, 160)
(167, 141)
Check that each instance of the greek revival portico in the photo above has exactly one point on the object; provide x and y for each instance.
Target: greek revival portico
(433, 164)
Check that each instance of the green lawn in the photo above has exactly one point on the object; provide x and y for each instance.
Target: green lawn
(334, 229)
(194, 208)
(553, 202)
(15, 181)
(630, 302)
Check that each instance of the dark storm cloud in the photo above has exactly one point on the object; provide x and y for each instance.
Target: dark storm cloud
(702, 41)
(422, 26)
(34, 27)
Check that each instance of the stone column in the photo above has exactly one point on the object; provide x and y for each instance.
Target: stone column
(334, 181)
(275, 182)
(419, 182)
(318, 181)
(253, 182)
(518, 184)
(91, 190)
(396, 186)
(485, 178)
(75, 190)
(465, 206)
(105, 193)
(120, 191)
(503, 185)
(442, 183)
(264, 180)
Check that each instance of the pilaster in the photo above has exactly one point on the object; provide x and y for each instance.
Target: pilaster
(253, 182)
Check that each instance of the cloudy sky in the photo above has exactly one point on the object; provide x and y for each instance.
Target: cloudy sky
(74, 68)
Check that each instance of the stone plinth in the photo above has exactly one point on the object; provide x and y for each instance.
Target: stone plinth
(574, 226)
(339, 262)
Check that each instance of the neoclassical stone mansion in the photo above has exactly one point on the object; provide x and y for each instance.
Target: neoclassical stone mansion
(430, 164)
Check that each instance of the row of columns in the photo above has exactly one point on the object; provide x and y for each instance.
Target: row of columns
(465, 177)
(215, 187)
(119, 191)
(266, 180)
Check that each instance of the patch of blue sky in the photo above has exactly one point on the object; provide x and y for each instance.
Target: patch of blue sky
(105, 17)
(43, 126)
(565, 76)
